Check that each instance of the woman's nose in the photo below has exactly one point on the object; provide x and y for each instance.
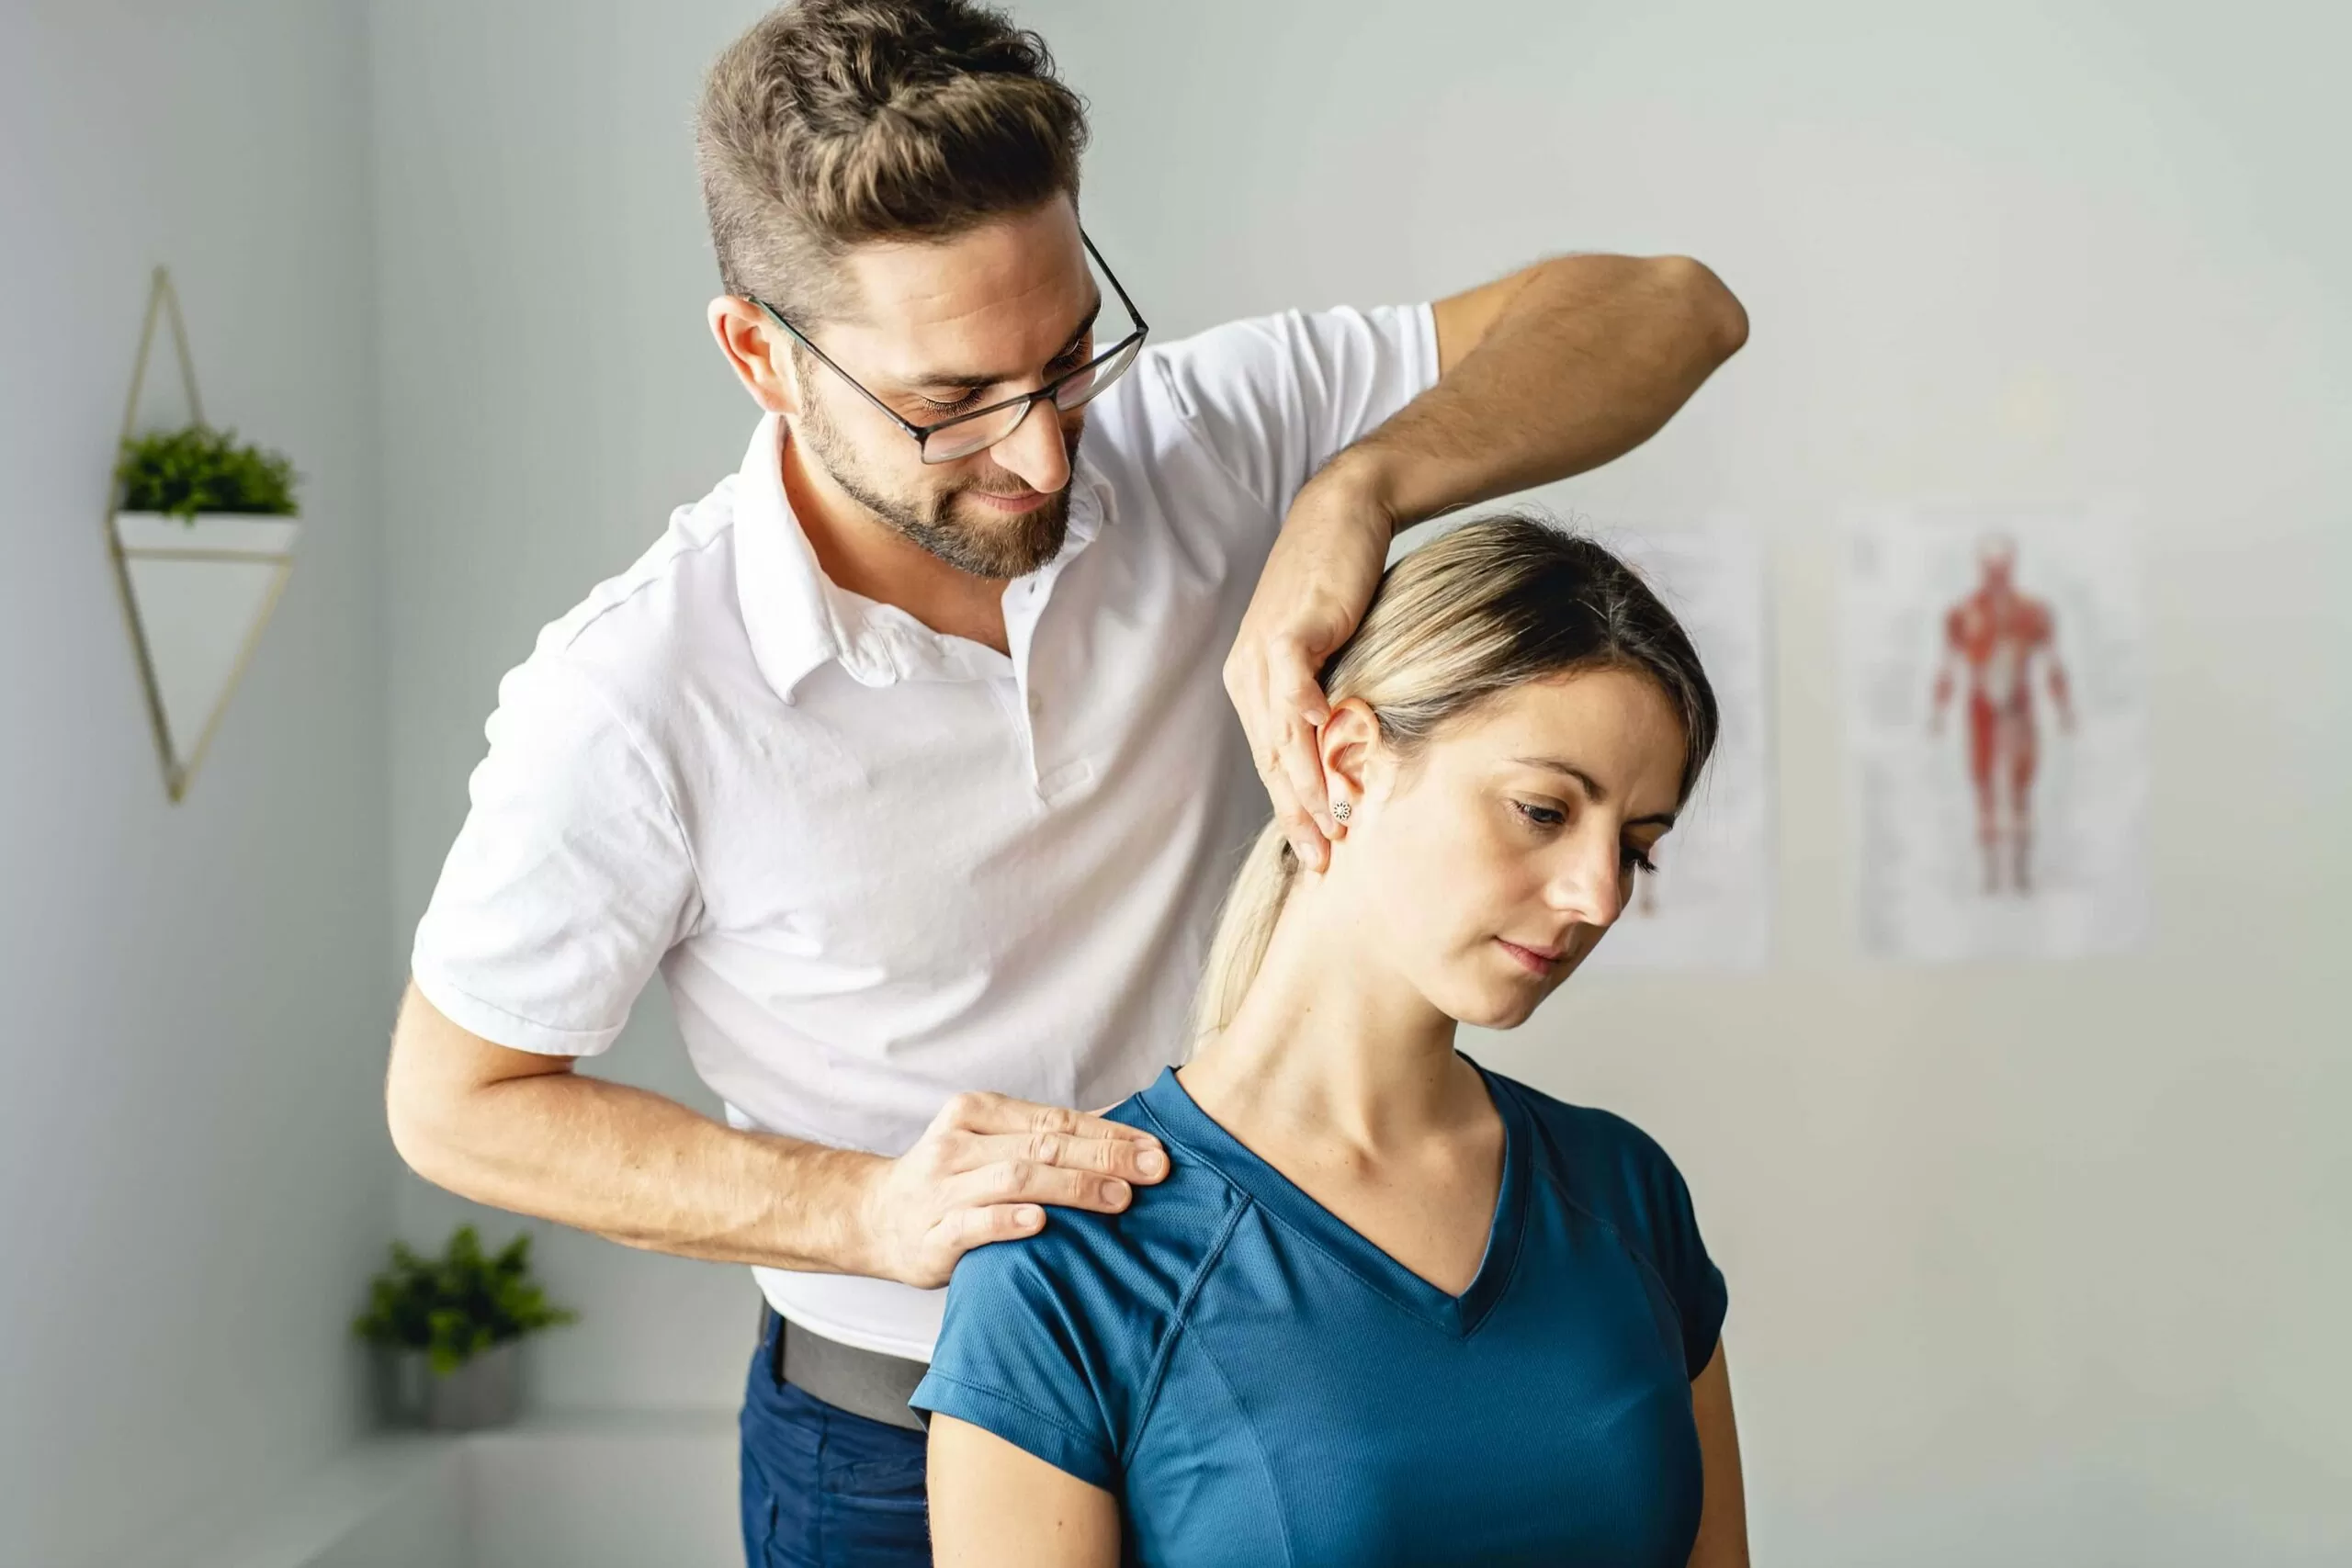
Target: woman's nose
(1591, 886)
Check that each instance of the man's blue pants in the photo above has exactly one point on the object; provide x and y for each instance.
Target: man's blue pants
(823, 1488)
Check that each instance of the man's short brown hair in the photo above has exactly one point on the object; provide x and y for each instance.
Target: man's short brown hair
(836, 122)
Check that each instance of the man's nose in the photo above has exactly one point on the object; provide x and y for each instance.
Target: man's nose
(1035, 450)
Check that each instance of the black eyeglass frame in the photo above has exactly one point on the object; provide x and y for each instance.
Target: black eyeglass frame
(1028, 400)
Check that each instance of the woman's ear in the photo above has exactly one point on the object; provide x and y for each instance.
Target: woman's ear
(1349, 743)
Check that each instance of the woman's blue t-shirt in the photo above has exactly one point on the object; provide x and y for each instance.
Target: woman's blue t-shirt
(1259, 1385)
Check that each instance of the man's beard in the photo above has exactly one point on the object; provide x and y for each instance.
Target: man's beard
(1011, 546)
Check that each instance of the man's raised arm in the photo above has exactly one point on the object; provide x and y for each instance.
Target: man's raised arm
(1542, 374)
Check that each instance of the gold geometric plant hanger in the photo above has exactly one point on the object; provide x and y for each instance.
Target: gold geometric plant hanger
(151, 570)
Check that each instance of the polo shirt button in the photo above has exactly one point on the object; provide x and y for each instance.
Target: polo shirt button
(1036, 704)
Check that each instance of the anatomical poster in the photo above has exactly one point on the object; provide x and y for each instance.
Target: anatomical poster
(1996, 732)
(1710, 904)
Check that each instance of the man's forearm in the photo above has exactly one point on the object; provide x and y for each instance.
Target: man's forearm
(1587, 358)
(633, 1166)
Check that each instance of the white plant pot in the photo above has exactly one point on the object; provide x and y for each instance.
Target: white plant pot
(235, 532)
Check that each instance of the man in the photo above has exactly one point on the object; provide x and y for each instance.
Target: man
(904, 755)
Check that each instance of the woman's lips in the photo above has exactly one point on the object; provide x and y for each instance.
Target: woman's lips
(1534, 960)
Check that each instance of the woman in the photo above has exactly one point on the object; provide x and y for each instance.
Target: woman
(1388, 1307)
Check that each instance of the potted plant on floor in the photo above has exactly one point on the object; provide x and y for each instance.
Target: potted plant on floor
(448, 1331)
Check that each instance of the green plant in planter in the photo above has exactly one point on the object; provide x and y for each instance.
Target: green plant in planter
(183, 472)
(460, 1304)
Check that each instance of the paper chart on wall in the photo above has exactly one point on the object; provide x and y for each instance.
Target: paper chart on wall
(1710, 904)
(1996, 695)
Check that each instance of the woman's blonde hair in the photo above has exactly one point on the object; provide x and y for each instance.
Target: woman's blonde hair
(1488, 607)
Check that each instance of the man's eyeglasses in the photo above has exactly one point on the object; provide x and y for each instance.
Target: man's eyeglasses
(982, 428)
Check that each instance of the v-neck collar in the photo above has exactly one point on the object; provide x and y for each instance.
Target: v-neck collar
(1186, 1124)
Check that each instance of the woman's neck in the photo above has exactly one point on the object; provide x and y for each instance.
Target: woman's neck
(1328, 1045)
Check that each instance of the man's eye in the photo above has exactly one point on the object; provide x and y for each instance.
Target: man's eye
(967, 400)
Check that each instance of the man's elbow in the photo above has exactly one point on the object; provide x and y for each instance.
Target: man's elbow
(417, 1115)
(430, 1108)
(1719, 317)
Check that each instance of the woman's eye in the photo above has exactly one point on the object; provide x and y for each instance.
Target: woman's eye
(1636, 858)
(1541, 815)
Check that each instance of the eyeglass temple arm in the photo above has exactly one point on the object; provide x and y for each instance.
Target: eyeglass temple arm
(1116, 287)
(801, 338)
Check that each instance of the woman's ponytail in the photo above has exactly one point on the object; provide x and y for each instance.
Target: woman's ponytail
(1243, 930)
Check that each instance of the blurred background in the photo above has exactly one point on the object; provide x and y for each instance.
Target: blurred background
(2034, 1260)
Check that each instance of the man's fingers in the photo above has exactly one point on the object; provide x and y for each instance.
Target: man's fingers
(1293, 780)
(1289, 762)
(994, 1113)
(1296, 689)
(1277, 769)
(1130, 1159)
(1303, 768)
(1027, 1181)
(960, 1230)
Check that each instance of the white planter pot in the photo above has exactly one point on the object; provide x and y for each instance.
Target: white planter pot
(200, 593)
(234, 534)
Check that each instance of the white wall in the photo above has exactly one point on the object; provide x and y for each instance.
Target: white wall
(550, 393)
(2030, 1264)
(196, 1178)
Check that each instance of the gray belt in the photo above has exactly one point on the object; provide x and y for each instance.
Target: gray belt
(864, 1382)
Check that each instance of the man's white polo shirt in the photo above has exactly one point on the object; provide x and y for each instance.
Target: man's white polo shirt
(878, 865)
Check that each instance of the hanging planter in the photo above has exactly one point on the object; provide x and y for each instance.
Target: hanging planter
(201, 533)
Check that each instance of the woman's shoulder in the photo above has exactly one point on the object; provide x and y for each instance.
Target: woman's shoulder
(1051, 1340)
(1611, 1170)
(1589, 1126)
(1143, 1258)
(1603, 1161)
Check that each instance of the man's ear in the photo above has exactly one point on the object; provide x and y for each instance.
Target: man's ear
(1349, 744)
(755, 352)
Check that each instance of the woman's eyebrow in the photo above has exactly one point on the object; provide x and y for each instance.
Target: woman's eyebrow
(1595, 790)
(992, 378)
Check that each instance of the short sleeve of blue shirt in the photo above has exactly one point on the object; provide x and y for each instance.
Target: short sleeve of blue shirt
(1655, 1205)
(1258, 1384)
(1049, 1341)
(1029, 1369)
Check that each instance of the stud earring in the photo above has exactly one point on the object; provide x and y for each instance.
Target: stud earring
(1342, 811)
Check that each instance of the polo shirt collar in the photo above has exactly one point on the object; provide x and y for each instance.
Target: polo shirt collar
(799, 621)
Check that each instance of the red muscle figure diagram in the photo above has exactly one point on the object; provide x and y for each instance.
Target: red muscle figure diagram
(1994, 640)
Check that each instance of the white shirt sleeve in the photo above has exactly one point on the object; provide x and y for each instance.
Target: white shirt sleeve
(1277, 397)
(569, 881)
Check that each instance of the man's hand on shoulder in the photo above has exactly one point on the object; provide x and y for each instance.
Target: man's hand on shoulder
(983, 1172)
